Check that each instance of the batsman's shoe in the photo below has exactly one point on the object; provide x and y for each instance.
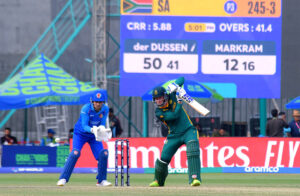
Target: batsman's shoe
(104, 183)
(61, 182)
(154, 184)
(196, 183)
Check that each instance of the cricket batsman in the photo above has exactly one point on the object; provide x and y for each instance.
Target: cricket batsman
(170, 111)
(90, 128)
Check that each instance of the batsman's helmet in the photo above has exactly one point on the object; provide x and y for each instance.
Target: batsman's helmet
(159, 92)
(99, 95)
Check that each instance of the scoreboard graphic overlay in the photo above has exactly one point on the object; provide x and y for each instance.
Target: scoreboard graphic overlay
(233, 46)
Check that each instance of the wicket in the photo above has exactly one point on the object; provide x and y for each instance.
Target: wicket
(122, 142)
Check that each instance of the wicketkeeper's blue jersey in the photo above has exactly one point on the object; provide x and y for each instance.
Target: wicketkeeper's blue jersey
(89, 118)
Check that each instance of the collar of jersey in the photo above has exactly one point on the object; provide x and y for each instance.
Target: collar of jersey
(165, 106)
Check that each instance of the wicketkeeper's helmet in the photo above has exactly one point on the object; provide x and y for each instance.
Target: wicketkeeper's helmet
(99, 95)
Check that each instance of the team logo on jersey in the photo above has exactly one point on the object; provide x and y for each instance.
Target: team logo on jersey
(100, 115)
(98, 95)
(170, 101)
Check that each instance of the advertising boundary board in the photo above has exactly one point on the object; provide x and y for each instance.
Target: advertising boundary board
(215, 152)
(225, 155)
(34, 156)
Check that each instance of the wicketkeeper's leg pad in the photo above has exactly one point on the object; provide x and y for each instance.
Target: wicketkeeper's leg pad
(193, 156)
(69, 165)
(161, 171)
(102, 165)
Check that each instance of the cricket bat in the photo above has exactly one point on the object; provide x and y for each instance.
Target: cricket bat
(194, 104)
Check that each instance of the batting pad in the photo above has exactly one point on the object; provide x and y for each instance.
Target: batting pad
(193, 156)
(161, 172)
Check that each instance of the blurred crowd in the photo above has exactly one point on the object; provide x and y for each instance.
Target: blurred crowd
(277, 126)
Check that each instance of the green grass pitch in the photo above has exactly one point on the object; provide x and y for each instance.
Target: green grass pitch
(176, 184)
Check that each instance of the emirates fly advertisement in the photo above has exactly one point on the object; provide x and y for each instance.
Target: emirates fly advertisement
(263, 154)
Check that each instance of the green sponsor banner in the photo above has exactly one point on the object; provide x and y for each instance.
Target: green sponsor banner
(62, 153)
(32, 159)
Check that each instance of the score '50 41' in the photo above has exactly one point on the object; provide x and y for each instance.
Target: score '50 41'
(156, 63)
(234, 65)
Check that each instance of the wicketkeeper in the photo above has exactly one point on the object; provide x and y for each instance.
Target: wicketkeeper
(181, 131)
(90, 128)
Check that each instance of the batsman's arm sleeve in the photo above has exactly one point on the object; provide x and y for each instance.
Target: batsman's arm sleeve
(85, 119)
(179, 81)
(169, 115)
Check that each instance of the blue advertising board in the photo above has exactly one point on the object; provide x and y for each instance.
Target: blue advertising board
(233, 46)
(34, 156)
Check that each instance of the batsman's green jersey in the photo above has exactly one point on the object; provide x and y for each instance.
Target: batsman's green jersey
(181, 131)
(174, 115)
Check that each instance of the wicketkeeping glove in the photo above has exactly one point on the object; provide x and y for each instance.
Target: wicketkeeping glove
(94, 130)
(104, 134)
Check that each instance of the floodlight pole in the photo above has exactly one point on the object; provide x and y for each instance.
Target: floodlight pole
(99, 43)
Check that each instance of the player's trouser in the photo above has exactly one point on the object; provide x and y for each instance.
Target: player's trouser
(190, 138)
(98, 152)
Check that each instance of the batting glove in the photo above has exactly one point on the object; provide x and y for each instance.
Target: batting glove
(180, 92)
(172, 87)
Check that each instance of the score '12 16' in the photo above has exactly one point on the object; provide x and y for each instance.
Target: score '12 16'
(233, 65)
